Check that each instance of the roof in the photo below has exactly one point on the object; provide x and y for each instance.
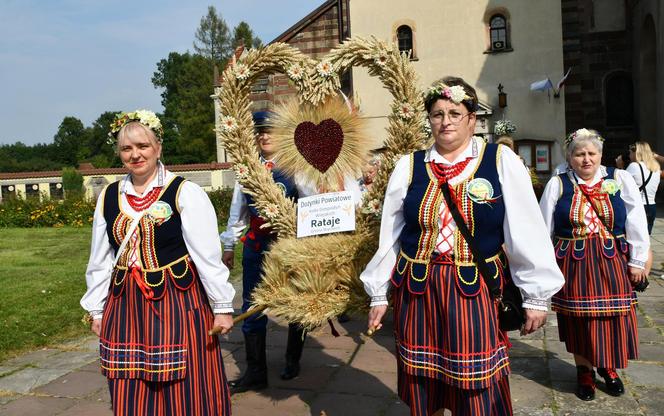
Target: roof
(89, 170)
(289, 33)
(305, 21)
(484, 109)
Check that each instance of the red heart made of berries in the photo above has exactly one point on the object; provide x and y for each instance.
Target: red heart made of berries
(320, 144)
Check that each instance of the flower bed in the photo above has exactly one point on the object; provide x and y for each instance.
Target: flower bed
(30, 212)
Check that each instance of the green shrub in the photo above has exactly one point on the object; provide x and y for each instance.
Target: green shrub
(221, 200)
(72, 182)
(78, 211)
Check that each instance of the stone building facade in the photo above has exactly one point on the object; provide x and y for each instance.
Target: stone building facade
(487, 42)
(598, 48)
(615, 48)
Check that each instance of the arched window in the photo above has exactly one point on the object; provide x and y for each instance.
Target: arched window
(498, 33)
(619, 104)
(405, 39)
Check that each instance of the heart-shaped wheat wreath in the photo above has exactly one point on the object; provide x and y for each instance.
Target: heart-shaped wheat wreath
(310, 280)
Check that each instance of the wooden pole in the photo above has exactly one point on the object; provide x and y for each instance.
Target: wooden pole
(372, 330)
(240, 318)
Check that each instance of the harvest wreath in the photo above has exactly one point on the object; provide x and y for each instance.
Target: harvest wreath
(310, 280)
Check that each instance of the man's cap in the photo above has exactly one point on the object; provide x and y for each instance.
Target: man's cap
(263, 119)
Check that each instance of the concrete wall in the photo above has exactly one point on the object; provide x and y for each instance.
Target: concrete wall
(452, 38)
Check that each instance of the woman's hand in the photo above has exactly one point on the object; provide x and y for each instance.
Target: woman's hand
(636, 275)
(96, 327)
(224, 321)
(228, 258)
(534, 320)
(376, 314)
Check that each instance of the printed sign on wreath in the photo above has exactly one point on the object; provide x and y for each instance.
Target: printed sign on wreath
(325, 213)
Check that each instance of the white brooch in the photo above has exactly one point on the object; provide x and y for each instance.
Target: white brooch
(159, 212)
(480, 191)
(610, 186)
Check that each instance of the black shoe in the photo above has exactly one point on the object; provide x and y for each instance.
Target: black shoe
(296, 336)
(614, 385)
(290, 371)
(255, 378)
(585, 377)
(343, 318)
(246, 384)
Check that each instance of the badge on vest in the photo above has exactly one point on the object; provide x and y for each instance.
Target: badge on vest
(610, 186)
(282, 187)
(159, 212)
(480, 191)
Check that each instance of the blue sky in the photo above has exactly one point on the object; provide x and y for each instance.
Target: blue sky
(83, 57)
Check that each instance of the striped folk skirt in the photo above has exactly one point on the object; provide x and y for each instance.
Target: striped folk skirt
(158, 356)
(596, 308)
(450, 351)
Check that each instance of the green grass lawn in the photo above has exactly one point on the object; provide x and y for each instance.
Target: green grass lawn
(42, 279)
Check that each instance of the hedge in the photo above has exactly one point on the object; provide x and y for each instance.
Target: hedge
(78, 211)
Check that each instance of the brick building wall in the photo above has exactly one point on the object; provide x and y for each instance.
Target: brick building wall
(596, 55)
(314, 35)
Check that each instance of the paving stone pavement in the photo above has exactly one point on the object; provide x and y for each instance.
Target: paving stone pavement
(356, 375)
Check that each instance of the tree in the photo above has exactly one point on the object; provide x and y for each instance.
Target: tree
(18, 157)
(187, 83)
(70, 141)
(243, 35)
(188, 117)
(72, 182)
(212, 38)
(196, 118)
(100, 153)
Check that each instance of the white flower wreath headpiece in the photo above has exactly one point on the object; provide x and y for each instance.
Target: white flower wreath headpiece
(146, 117)
(454, 93)
(582, 133)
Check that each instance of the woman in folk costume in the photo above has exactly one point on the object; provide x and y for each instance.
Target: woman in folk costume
(256, 241)
(600, 233)
(450, 351)
(157, 233)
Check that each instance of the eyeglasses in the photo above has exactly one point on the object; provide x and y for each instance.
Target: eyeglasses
(454, 117)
